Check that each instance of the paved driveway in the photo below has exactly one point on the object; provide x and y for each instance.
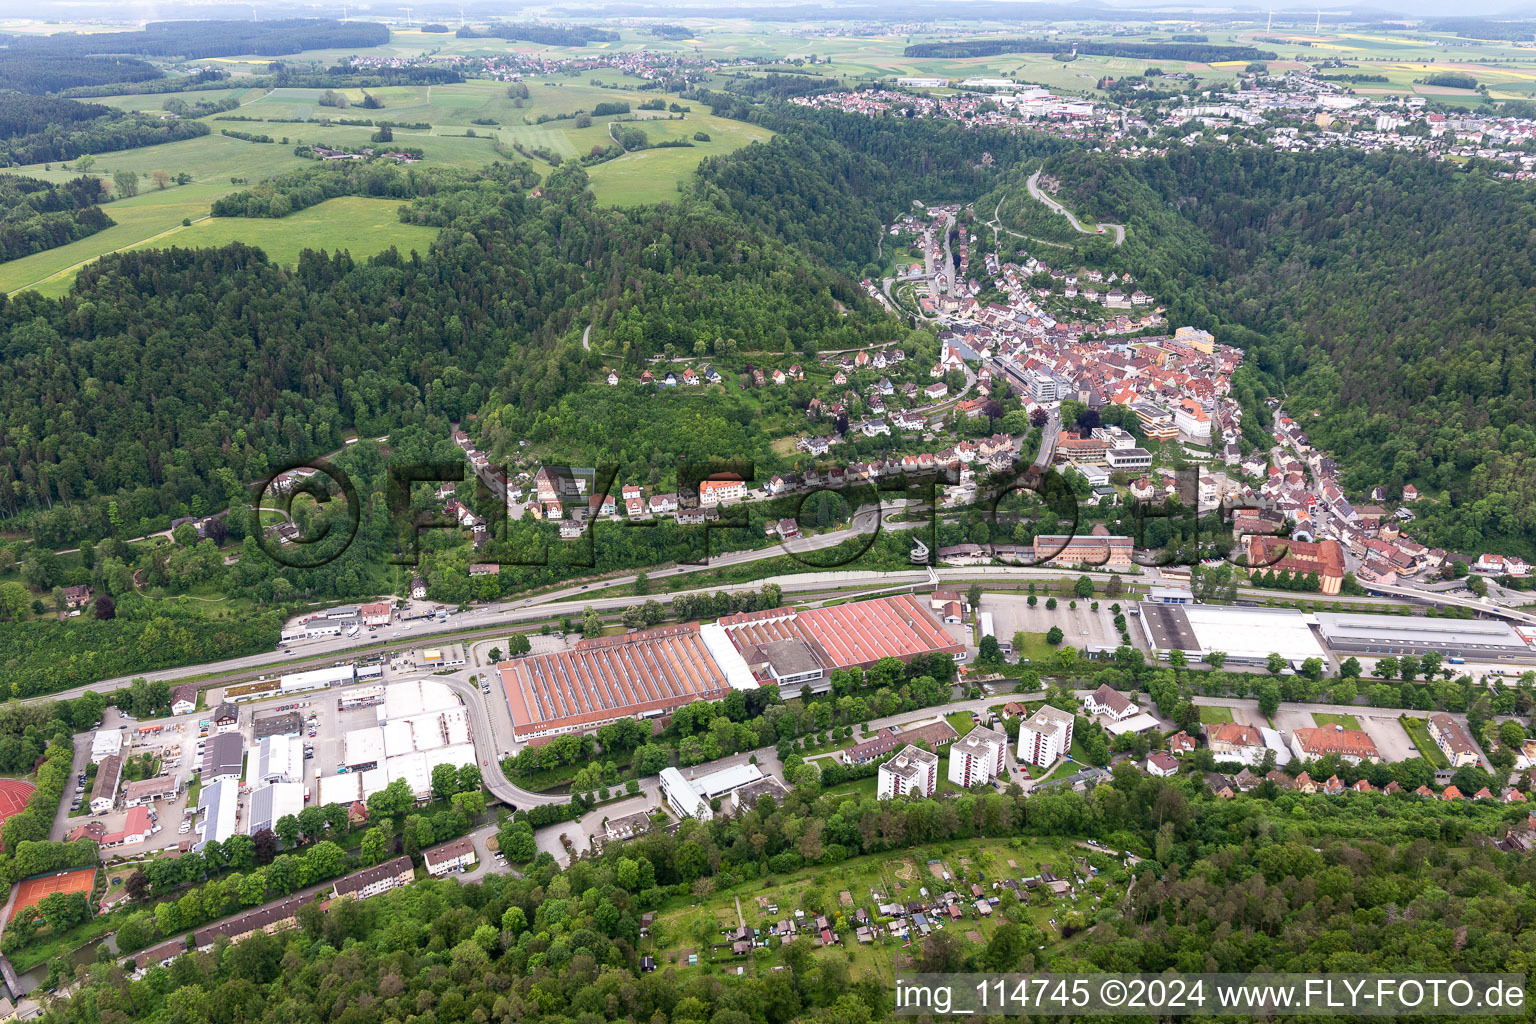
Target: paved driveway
(1391, 739)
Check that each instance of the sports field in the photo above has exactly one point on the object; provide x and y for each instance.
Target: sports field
(31, 890)
(14, 794)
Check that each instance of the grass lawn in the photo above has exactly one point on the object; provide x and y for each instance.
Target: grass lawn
(1347, 721)
(1034, 649)
(1215, 715)
(652, 175)
(858, 787)
(1418, 731)
(961, 722)
(362, 226)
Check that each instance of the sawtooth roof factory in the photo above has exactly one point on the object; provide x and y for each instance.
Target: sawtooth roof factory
(651, 673)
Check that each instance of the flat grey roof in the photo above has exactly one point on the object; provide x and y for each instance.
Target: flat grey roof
(1450, 634)
(791, 657)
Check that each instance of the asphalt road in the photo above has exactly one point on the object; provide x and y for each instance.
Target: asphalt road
(1097, 229)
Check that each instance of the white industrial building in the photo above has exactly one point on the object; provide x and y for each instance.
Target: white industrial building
(271, 802)
(690, 798)
(1246, 635)
(422, 724)
(217, 812)
(353, 786)
(680, 795)
(416, 697)
(912, 772)
(363, 748)
(317, 679)
(978, 757)
(105, 743)
(278, 759)
(416, 768)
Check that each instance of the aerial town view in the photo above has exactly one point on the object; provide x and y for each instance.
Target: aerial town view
(716, 515)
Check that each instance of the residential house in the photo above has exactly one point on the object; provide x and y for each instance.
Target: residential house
(458, 855)
(375, 880)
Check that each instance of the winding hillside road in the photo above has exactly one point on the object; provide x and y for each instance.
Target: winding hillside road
(1097, 229)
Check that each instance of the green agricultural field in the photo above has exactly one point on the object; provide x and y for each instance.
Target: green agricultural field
(220, 165)
(652, 175)
(361, 226)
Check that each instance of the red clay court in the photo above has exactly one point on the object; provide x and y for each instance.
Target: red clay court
(30, 891)
(14, 794)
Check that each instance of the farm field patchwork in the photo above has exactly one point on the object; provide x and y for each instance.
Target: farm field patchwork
(219, 165)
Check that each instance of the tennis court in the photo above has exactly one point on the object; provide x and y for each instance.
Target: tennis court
(14, 794)
(30, 891)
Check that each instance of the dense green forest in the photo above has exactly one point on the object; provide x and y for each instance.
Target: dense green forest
(1096, 48)
(195, 40)
(283, 194)
(37, 215)
(545, 35)
(1390, 294)
(501, 298)
(293, 358)
(36, 129)
(829, 181)
(35, 71)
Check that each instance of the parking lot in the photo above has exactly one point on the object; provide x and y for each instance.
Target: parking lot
(1288, 719)
(1391, 739)
(1082, 625)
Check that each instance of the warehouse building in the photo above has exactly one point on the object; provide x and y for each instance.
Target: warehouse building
(1379, 636)
(640, 675)
(271, 802)
(353, 786)
(317, 679)
(1248, 636)
(278, 759)
(287, 724)
(651, 673)
(217, 812)
(422, 724)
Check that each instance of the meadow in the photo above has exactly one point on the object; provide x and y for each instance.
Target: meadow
(218, 164)
(363, 227)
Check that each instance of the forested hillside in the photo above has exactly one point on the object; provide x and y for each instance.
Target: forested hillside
(38, 71)
(1390, 294)
(288, 360)
(829, 181)
(1264, 883)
